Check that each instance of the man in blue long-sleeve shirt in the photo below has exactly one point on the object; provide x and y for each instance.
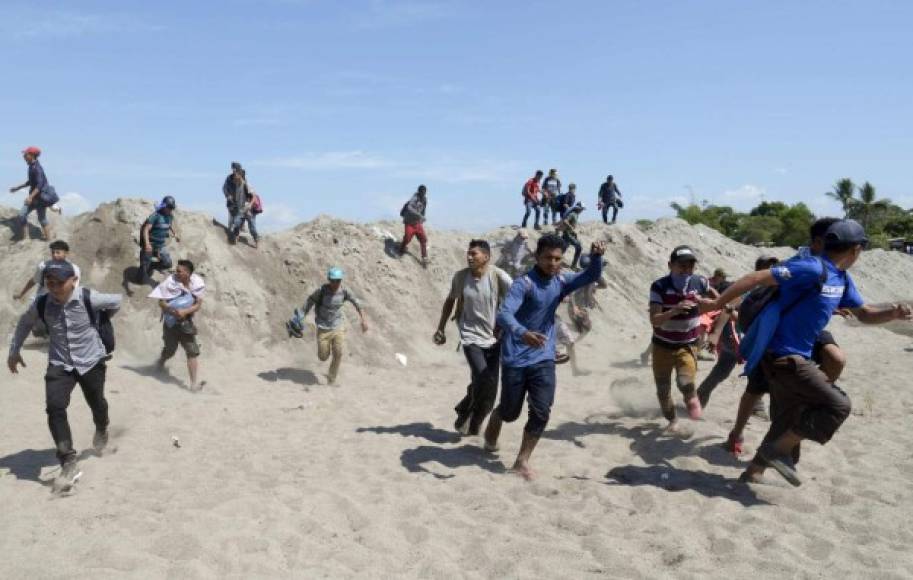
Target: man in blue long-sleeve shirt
(527, 319)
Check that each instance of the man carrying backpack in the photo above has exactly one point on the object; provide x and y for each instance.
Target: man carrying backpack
(234, 188)
(59, 251)
(826, 353)
(42, 195)
(531, 192)
(78, 326)
(413, 214)
(248, 212)
(808, 405)
(527, 319)
(180, 297)
(154, 237)
(327, 302)
(477, 291)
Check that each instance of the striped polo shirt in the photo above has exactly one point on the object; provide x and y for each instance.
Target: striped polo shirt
(684, 328)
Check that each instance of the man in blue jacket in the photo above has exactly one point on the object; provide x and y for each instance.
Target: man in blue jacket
(808, 404)
(527, 318)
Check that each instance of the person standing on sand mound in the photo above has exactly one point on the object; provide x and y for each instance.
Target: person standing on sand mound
(477, 291)
(808, 405)
(413, 214)
(527, 318)
(76, 354)
(327, 302)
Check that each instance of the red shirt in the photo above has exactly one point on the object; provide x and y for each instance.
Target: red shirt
(531, 190)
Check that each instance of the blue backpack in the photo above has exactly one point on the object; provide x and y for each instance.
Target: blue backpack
(762, 312)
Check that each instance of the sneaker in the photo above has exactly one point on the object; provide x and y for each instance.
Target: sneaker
(561, 358)
(67, 478)
(694, 408)
(734, 444)
(462, 424)
(782, 463)
(100, 440)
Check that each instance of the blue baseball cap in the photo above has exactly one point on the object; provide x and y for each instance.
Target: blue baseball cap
(59, 270)
(334, 273)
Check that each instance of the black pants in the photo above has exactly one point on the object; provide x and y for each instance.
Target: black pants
(803, 400)
(574, 243)
(58, 384)
(484, 364)
(725, 363)
(605, 211)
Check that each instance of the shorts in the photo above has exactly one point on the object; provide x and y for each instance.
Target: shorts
(757, 382)
(173, 337)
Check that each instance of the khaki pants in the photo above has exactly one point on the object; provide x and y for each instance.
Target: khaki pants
(330, 342)
(683, 361)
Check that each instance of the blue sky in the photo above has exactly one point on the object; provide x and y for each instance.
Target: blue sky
(345, 107)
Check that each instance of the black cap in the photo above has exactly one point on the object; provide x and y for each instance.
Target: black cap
(683, 254)
(765, 262)
(844, 233)
(59, 269)
(235, 165)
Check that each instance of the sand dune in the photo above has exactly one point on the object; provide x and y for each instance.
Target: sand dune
(278, 474)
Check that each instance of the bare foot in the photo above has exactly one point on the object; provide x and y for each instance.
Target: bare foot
(676, 429)
(523, 469)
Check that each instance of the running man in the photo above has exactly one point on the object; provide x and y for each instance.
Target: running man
(568, 229)
(551, 189)
(327, 302)
(477, 291)
(180, 297)
(826, 353)
(676, 303)
(579, 304)
(531, 193)
(807, 404)
(76, 355)
(609, 197)
(413, 214)
(41, 195)
(527, 318)
(153, 238)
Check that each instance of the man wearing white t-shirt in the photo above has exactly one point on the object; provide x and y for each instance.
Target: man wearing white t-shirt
(477, 292)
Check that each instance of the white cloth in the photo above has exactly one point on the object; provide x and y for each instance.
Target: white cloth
(171, 288)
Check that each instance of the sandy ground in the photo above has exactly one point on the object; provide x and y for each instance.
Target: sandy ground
(280, 475)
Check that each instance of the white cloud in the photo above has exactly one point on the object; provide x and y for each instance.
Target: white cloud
(74, 203)
(68, 24)
(277, 216)
(781, 170)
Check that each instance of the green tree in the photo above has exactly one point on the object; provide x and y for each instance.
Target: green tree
(843, 192)
(868, 208)
(758, 229)
(795, 221)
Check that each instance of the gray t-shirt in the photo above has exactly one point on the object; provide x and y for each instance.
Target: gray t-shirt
(328, 312)
(480, 305)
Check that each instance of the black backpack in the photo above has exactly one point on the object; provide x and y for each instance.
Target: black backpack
(758, 298)
(101, 321)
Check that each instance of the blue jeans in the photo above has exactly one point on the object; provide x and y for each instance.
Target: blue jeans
(530, 206)
(536, 383)
(40, 210)
(238, 220)
(145, 260)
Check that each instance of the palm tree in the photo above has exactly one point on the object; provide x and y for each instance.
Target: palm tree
(843, 192)
(867, 205)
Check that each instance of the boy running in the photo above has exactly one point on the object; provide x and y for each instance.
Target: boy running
(477, 291)
(327, 302)
(528, 351)
(676, 303)
(59, 251)
(76, 355)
